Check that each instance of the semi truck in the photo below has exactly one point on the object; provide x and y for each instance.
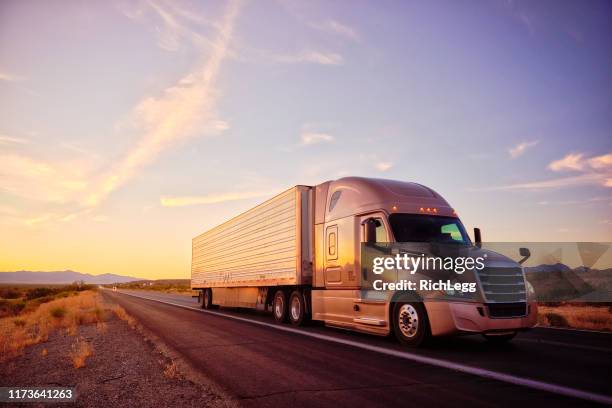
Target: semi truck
(299, 256)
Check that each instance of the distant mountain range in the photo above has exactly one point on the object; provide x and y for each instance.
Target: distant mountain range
(62, 277)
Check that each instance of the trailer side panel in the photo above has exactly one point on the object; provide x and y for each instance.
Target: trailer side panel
(263, 246)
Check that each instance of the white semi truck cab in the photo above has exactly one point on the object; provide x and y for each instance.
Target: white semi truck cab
(300, 255)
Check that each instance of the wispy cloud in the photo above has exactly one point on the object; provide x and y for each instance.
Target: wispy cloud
(170, 27)
(212, 198)
(30, 222)
(601, 162)
(40, 180)
(335, 27)
(521, 148)
(311, 138)
(595, 171)
(383, 166)
(12, 140)
(5, 76)
(591, 200)
(182, 111)
(584, 179)
(312, 57)
(572, 161)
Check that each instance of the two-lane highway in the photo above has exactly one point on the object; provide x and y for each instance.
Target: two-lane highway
(263, 364)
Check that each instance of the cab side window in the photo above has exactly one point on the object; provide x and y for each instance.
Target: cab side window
(381, 231)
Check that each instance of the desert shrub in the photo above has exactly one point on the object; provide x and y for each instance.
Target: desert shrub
(79, 353)
(555, 319)
(43, 299)
(58, 312)
(40, 292)
(8, 293)
(85, 308)
(11, 307)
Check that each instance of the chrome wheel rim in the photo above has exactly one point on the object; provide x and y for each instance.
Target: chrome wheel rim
(278, 307)
(408, 320)
(295, 308)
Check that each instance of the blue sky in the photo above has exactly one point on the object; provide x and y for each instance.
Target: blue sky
(129, 127)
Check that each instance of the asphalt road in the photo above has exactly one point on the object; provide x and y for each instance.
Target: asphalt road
(262, 364)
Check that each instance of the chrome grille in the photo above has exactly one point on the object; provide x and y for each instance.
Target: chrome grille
(505, 285)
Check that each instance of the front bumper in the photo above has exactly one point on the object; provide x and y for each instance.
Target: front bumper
(448, 318)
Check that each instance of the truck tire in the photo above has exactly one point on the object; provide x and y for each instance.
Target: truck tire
(410, 323)
(207, 299)
(500, 338)
(279, 306)
(297, 308)
(201, 298)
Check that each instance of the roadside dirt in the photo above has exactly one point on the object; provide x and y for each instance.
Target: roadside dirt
(124, 369)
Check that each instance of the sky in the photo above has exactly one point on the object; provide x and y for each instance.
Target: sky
(129, 127)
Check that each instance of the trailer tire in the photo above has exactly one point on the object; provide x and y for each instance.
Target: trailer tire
(297, 308)
(207, 299)
(410, 323)
(279, 306)
(201, 298)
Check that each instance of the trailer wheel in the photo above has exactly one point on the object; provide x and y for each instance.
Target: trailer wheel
(297, 308)
(201, 298)
(207, 301)
(410, 323)
(279, 306)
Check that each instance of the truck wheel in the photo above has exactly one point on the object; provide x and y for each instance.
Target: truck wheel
(279, 306)
(201, 298)
(297, 308)
(500, 338)
(207, 301)
(410, 323)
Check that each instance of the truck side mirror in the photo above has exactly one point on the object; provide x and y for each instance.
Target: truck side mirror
(370, 231)
(477, 237)
(525, 253)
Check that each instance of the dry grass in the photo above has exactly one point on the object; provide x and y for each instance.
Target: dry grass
(123, 315)
(576, 316)
(81, 349)
(171, 370)
(34, 327)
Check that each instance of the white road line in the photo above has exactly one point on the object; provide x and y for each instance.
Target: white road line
(481, 372)
(575, 330)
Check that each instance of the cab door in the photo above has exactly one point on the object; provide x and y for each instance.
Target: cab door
(377, 245)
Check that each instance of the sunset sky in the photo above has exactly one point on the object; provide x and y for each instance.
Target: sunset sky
(127, 128)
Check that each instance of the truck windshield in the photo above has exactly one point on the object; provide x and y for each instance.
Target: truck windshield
(428, 228)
